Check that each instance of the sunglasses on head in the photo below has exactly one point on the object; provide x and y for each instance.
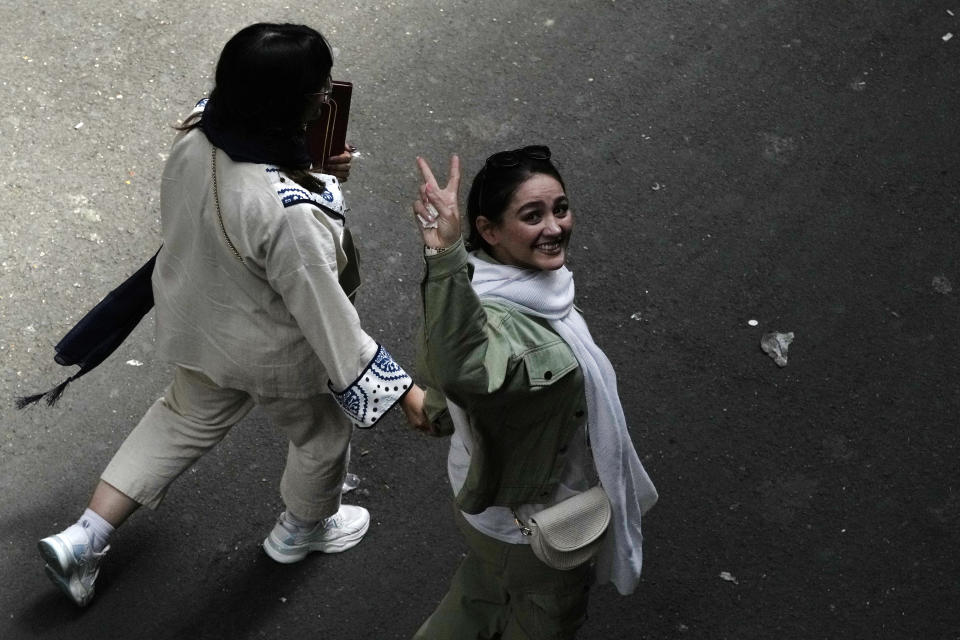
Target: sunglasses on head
(507, 160)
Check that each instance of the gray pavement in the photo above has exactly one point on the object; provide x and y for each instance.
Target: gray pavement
(793, 163)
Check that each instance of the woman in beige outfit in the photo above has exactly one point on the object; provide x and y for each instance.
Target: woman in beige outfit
(253, 290)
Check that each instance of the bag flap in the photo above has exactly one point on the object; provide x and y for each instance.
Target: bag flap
(574, 522)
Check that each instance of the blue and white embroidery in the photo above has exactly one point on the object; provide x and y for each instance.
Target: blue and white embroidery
(377, 389)
(291, 193)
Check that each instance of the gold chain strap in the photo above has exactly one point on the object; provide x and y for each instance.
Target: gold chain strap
(216, 199)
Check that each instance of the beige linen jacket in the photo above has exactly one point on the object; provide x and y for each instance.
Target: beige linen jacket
(278, 323)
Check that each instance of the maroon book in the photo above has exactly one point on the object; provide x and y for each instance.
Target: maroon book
(327, 135)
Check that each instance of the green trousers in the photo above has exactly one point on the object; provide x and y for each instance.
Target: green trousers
(502, 591)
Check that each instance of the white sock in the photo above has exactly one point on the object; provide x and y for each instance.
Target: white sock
(302, 525)
(96, 529)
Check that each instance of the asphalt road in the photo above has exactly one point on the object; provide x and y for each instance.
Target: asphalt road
(794, 163)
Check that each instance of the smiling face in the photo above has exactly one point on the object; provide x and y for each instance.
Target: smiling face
(535, 228)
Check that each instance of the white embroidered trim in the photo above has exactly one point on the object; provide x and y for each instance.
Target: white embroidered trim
(291, 193)
(377, 389)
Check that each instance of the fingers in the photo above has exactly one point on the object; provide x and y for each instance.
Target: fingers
(438, 209)
(426, 214)
(342, 158)
(420, 210)
(426, 172)
(453, 182)
(414, 411)
(427, 427)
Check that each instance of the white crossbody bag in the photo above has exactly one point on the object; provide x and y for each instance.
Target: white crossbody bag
(569, 533)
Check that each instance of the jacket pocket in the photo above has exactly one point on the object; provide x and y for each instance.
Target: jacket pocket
(548, 363)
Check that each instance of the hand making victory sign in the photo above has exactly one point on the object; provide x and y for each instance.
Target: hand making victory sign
(438, 209)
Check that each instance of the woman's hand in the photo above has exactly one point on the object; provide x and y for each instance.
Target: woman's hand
(412, 405)
(437, 210)
(339, 165)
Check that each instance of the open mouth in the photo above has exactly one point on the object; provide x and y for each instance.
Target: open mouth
(550, 248)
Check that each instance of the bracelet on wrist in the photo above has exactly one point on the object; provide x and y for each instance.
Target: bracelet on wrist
(434, 251)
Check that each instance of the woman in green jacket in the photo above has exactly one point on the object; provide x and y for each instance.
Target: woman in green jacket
(528, 397)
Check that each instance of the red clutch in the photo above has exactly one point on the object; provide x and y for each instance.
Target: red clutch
(327, 135)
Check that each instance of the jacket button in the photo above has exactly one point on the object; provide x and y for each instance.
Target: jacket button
(579, 414)
(547, 375)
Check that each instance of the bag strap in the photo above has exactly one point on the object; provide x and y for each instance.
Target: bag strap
(525, 529)
(216, 200)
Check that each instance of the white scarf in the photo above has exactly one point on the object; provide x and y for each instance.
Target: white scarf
(549, 295)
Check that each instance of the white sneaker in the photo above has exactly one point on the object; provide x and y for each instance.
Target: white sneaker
(72, 564)
(341, 531)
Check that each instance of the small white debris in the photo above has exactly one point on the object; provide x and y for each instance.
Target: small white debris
(134, 363)
(942, 285)
(775, 345)
(79, 125)
(949, 13)
(947, 36)
(752, 322)
(636, 316)
(726, 575)
(282, 599)
(656, 186)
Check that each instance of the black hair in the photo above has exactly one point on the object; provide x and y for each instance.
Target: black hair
(265, 75)
(493, 188)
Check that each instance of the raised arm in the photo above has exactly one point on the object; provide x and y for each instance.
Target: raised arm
(463, 350)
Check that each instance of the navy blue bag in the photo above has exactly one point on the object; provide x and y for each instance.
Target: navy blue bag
(101, 330)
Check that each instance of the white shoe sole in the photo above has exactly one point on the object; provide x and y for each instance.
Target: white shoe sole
(284, 554)
(56, 554)
(59, 570)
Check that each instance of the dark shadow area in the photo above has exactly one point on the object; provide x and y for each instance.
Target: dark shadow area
(238, 599)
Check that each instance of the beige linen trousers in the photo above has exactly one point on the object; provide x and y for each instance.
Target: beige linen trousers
(195, 414)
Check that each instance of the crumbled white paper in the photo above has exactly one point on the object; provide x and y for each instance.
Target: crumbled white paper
(776, 345)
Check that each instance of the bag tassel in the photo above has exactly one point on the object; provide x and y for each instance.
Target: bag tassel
(50, 396)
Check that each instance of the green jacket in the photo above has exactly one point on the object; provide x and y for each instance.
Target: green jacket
(517, 380)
